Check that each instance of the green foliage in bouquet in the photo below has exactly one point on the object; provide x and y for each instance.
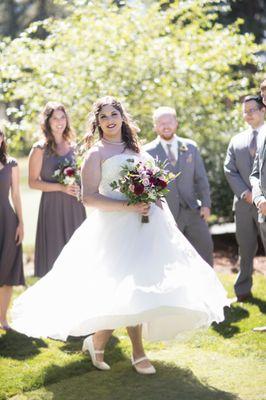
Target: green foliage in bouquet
(143, 182)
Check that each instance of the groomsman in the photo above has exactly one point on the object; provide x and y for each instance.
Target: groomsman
(255, 182)
(258, 183)
(189, 195)
(238, 167)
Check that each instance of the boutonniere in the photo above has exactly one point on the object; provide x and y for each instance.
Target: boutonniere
(183, 147)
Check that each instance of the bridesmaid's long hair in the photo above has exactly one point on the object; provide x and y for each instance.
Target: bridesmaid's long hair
(3, 147)
(129, 127)
(47, 113)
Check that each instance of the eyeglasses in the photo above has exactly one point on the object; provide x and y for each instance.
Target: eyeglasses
(251, 111)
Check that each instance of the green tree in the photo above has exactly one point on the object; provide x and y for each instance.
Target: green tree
(137, 53)
(17, 15)
(251, 12)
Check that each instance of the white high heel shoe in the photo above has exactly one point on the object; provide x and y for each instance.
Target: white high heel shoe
(142, 370)
(88, 346)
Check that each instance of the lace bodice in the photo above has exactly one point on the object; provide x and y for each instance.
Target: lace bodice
(111, 169)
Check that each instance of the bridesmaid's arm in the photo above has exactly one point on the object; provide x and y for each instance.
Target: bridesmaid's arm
(90, 181)
(16, 200)
(35, 181)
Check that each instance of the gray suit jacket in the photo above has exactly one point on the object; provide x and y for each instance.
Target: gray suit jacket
(238, 164)
(258, 178)
(191, 187)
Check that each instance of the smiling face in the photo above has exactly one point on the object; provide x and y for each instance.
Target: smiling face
(58, 122)
(110, 121)
(166, 125)
(253, 114)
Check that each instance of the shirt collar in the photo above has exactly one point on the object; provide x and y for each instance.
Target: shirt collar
(260, 129)
(164, 142)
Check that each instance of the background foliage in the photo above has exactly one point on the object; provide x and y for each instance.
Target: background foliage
(147, 55)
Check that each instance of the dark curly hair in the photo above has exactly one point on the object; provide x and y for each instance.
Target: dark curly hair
(47, 113)
(129, 127)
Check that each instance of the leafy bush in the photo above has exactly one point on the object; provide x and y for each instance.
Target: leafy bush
(145, 55)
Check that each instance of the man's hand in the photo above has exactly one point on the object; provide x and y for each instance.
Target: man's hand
(248, 197)
(205, 213)
(262, 207)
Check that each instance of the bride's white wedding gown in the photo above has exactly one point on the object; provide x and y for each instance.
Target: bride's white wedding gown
(116, 271)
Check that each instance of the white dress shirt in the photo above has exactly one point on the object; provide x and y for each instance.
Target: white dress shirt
(174, 145)
(261, 135)
(260, 141)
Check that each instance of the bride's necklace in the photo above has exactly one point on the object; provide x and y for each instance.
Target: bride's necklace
(110, 142)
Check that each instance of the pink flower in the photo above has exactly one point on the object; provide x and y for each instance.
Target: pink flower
(146, 182)
(155, 170)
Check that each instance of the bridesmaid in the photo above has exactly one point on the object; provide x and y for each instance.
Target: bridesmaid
(11, 231)
(60, 213)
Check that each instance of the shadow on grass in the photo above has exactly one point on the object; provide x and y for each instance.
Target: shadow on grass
(18, 346)
(171, 382)
(55, 374)
(113, 351)
(258, 302)
(232, 315)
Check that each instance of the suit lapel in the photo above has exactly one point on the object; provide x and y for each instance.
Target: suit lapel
(161, 153)
(248, 139)
(263, 155)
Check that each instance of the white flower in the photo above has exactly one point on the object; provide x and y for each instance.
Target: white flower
(69, 180)
(131, 188)
(146, 182)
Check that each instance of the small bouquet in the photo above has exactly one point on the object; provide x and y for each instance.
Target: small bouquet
(68, 173)
(143, 182)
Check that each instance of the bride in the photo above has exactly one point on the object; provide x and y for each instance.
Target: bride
(116, 271)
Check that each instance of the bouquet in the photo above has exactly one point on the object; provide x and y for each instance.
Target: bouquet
(144, 182)
(67, 173)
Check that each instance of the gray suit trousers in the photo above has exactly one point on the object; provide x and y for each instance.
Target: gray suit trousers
(247, 231)
(195, 229)
(263, 234)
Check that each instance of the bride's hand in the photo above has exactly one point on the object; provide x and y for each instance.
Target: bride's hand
(141, 208)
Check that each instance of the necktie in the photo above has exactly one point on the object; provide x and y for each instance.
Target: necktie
(253, 144)
(171, 155)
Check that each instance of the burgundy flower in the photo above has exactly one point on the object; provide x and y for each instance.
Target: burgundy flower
(69, 171)
(138, 189)
(162, 183)
(153, 181)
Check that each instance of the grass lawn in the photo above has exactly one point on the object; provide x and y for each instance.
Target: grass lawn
(227, 362)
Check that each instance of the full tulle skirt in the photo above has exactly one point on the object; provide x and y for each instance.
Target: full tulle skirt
(116, 271)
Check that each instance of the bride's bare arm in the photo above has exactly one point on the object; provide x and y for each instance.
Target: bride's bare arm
(90, 181)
